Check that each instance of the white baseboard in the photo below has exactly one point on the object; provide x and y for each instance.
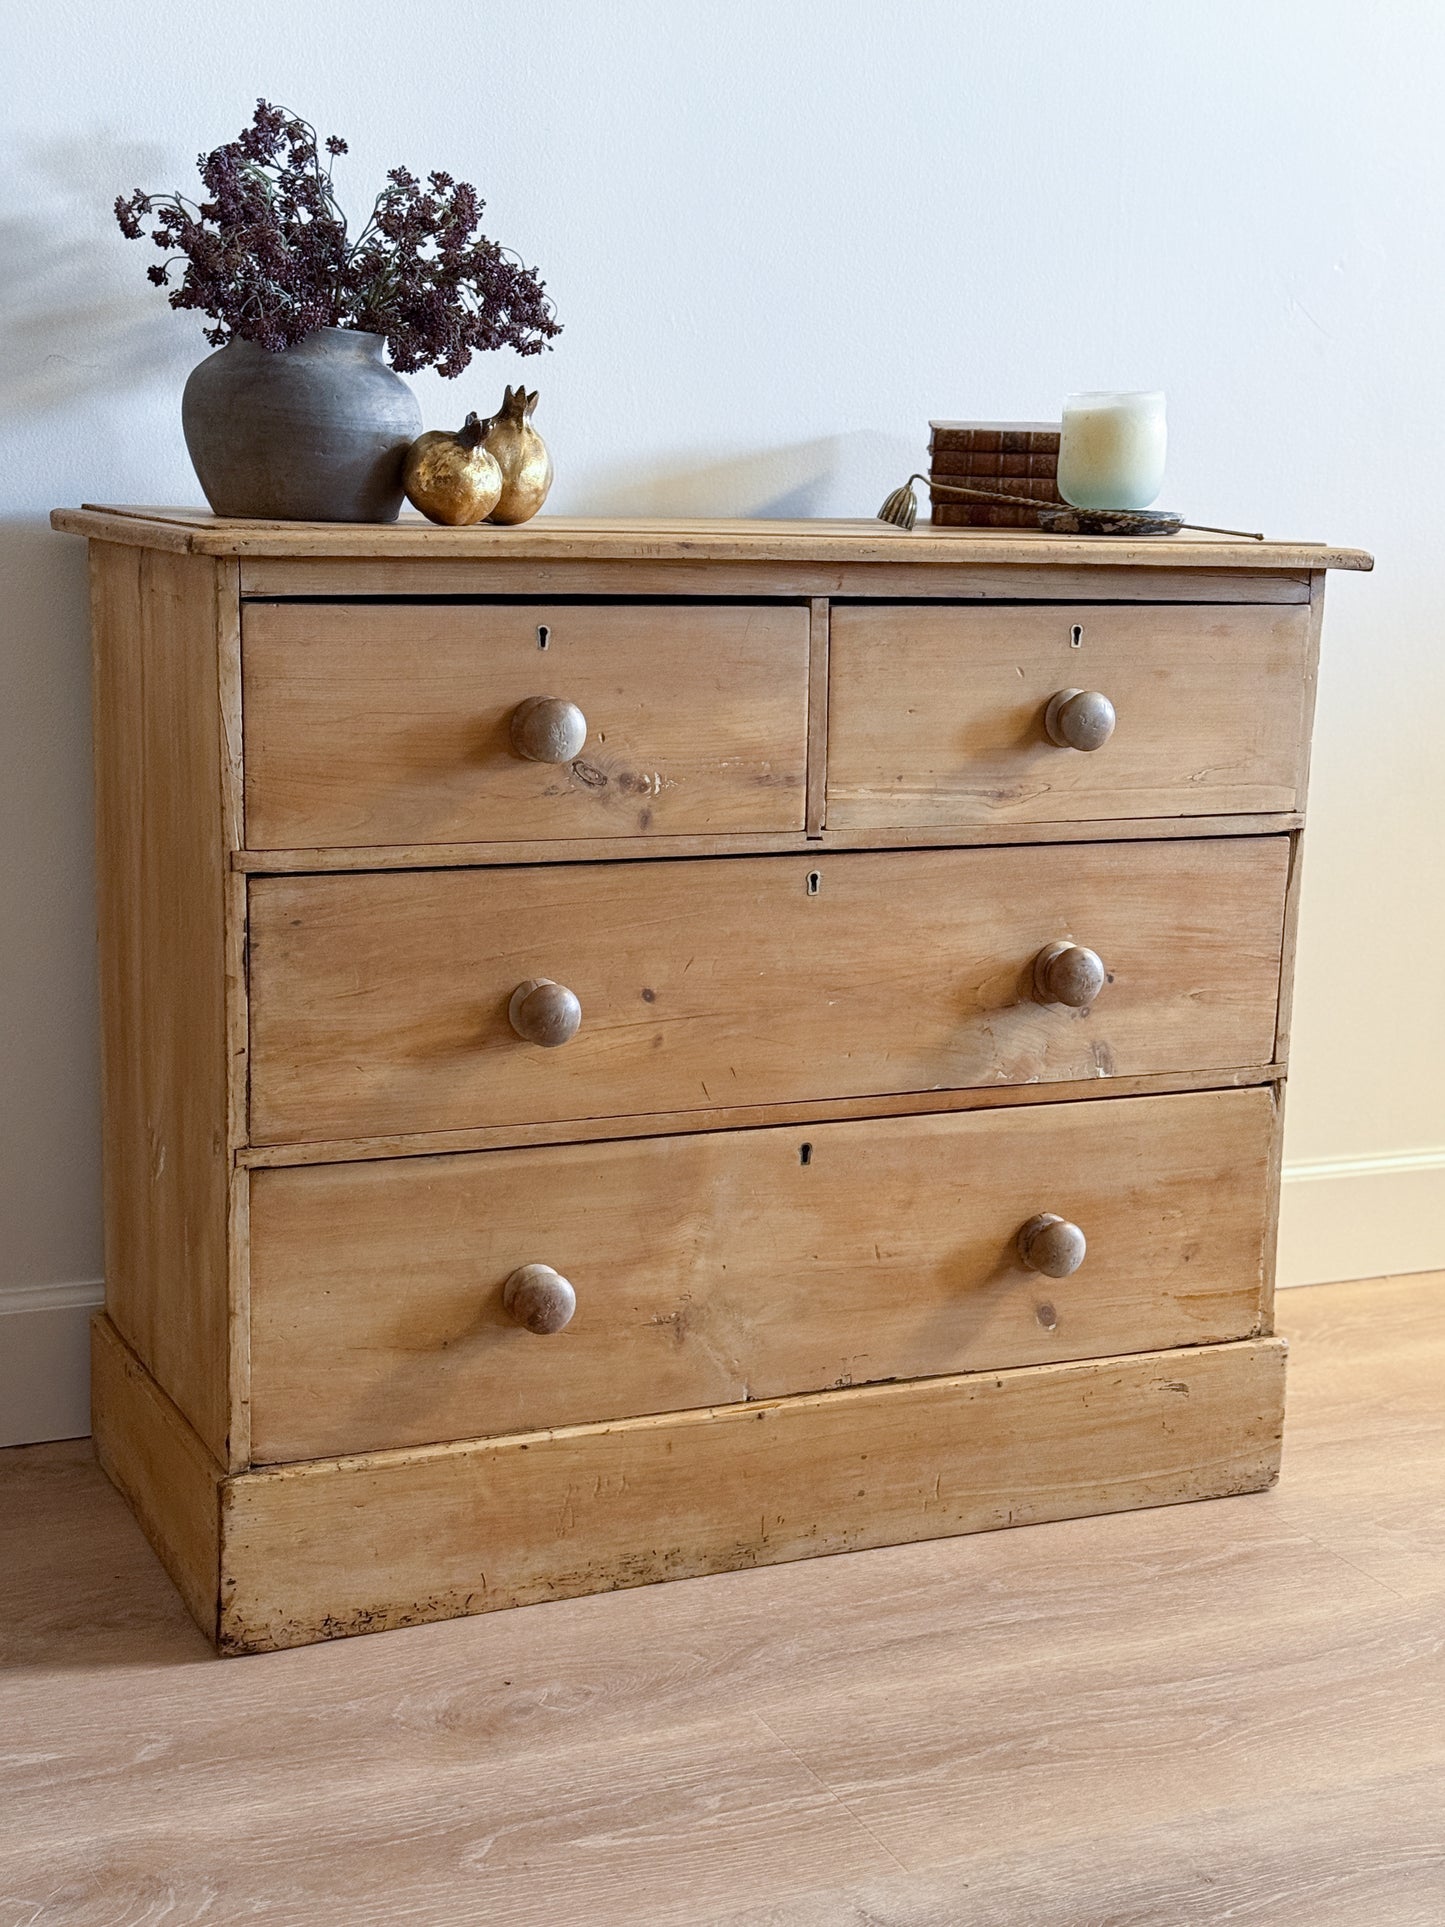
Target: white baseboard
(1339, 1218)
(45, 1360)
(1362, 1218)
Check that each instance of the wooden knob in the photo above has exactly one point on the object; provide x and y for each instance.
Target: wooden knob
(539, 1298)
(547, 730)
(1079, 719)
(1066, 973)
(544, 1013)
(1050, 1244)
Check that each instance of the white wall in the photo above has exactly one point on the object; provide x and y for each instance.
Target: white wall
(782, 234)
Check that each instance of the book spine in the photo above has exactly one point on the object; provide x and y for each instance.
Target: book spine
(1000, 515)
(977, 462)
(948, 488)
(995, 441)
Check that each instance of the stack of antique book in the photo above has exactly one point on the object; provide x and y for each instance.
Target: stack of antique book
(1008, 458)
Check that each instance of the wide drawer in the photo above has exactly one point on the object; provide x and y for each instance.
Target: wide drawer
(937, 713)
(743, 1265)
(380, 1002)
(391, 723)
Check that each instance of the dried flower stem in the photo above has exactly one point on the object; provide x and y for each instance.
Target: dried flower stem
(269, 259)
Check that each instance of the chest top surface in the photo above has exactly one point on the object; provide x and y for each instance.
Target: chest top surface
(684, 539)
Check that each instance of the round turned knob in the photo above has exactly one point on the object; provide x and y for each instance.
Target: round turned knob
(1079, 719)
(539, 1298)
(1050, 1244)
(548, 730)
(1066, 973)
(544, 1013)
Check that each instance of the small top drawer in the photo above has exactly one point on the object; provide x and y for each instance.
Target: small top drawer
(393, 722)
(938, 715)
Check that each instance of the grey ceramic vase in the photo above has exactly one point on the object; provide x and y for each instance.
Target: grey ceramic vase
(314, 434)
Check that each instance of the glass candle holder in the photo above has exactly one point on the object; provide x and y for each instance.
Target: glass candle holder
(1111, 450)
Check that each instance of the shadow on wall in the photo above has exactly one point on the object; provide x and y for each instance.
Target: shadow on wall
(77, 314)
(796, 480)
(49, 1129)
(83, 338)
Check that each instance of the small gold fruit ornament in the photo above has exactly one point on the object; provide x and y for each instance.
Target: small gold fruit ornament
(522, 456)
(452, 478)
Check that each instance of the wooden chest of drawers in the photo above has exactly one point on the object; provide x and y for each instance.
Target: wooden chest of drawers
(638, 1049)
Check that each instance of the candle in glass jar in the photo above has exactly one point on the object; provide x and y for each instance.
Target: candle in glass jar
(1111, 451)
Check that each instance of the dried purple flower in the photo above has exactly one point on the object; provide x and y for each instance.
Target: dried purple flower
(268, 257)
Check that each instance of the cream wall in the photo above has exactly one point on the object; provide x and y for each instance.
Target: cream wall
(781, 236)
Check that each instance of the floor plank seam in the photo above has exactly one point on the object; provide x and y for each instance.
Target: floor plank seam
(1333, 1552)
(833, 1795)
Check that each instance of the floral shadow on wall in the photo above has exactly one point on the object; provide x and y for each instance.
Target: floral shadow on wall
(72, 321)
(84, 349)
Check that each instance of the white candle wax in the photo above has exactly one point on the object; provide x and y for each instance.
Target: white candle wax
(1111, 451)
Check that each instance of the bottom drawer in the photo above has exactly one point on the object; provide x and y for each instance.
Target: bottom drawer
(728, 1267)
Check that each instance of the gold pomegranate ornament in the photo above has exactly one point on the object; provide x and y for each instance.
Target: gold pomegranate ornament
(522, 457)
(453, 478)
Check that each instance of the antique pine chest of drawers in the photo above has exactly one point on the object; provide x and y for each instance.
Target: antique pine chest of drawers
(639, 1049)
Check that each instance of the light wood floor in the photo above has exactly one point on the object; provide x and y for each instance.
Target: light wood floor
(1219, 1713)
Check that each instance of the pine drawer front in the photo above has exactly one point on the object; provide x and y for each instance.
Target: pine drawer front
(392, 723)
(937, 714)
(716, 1269)
(380, 1002)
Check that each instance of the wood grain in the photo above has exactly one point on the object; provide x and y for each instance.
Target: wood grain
(748, 1265)
(379, 1002)
(335, 1547)
(323, 576)
(819, 619)
(1309, 685)
(613, 849)
(936, 713)
(389, 723)
(706, 539)
(166, 811)
(750, 1117)
(1358, 1848)
(964, 580)
(151, 1453)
